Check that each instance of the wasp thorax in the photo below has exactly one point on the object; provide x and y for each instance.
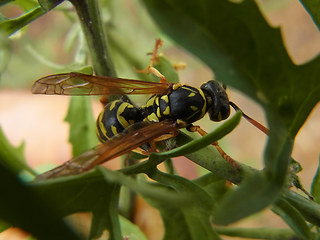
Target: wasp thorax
(217, 100)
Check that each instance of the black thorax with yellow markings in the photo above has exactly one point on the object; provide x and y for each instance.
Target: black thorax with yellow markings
(185, 104)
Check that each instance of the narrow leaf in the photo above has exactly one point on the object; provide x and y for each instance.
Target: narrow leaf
(82, 125)
(315, 187)
(13, 157)
(194, 219)
(47, 5)
(254, 194)
(197, 144)
(130, 230)
(10, 26)
(293, 218)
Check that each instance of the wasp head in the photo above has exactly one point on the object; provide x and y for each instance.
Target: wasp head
(217, 101)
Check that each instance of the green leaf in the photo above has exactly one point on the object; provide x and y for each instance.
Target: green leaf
(4, 225)
(155, 192)
(228, 35)
(13, 157)
(253, 195)
(10, 26)
(26, 5)
(88, 192)
(21, 207)
(97, 191)
(236, 42)
(259, 190)
(5, 51)
(166, 68)
(315, 187)
(105, 215)
(82, 125)
(313, 7)
(259, 233)
(194, 220)
(197, 144)
(293, 218)
(47, 5)
(309, 209)
(130, 230)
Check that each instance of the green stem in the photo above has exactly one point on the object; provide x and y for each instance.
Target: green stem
(257, 233)
(210, 159)
(90, 19)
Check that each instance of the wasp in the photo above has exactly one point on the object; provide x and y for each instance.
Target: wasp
(122, 127)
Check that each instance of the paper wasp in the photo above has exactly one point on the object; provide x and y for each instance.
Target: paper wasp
(122, 127)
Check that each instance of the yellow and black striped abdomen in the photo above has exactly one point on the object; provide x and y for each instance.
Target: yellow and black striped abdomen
(115, 117)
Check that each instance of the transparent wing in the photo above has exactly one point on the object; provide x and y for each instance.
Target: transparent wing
(83, 84)
(135, 136)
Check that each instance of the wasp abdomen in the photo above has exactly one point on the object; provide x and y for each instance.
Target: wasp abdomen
(115, 117)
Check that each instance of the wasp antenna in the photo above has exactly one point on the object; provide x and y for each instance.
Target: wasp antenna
(250, 120)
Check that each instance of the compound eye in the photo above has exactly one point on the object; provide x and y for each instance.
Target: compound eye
(224, 111)
(220, 112)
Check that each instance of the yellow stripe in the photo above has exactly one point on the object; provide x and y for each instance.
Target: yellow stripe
(113, 104)
(114, 130)
(150, 101)
(191, 90)
(153, 117)
(165, 98)
(181, 122)
(194, 108)
(166, 111)
(101, 125)
(120, 118)
(158, 112)
(203, 110)
(176, 86)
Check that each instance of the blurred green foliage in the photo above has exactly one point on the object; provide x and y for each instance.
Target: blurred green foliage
(235, 42)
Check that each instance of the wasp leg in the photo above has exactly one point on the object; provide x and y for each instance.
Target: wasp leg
(141, 151)
(151, 146)
(220, 150)
(160, 139)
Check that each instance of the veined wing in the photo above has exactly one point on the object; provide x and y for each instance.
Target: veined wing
(135, 136)
(83, 84)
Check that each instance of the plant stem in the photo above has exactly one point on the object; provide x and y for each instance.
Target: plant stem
(91, 23)
(258, 233)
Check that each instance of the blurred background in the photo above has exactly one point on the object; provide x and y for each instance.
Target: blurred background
(46, 47)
